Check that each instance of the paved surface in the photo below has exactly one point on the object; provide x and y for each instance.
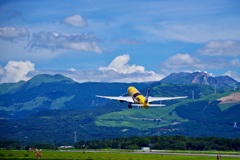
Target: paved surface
(188, 154)
(162, 152)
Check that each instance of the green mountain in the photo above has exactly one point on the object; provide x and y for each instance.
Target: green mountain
(51, 108)
(54, 92)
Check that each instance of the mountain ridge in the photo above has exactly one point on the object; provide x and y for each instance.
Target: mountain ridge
(200, 78)
(60, 92)
(53, 107)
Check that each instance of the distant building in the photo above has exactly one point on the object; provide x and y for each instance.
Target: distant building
(32, 149)
(66, 147)
(145, 149)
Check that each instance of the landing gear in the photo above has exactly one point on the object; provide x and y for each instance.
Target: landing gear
(130, 106)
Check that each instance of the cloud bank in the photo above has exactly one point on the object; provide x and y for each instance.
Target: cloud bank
(215, 55)
(221, 48)
(13, 34)
(117, 71)
(55, 41)
(16, 71)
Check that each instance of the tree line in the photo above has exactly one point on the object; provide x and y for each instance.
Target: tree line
(154, 142)
(16, 145)
(164, 143)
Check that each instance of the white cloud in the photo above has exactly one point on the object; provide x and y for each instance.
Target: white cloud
(53, 41)
(186, 62)
(13, 33)
(91, 75)
(233, 74)
(235, 63)
(72, 69)
(189, 63)
(75, 20)
(120, 71)
(221, 48)
(180, 61)
(15, 71)
(120, 65)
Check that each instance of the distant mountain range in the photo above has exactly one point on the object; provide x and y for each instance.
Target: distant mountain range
(200, 78)
(50, 108)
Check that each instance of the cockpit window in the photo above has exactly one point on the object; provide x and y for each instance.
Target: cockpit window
(138, 99)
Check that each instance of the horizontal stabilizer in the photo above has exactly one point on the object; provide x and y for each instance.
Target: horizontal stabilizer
(150, 105)
(152, 99)
(157, 105)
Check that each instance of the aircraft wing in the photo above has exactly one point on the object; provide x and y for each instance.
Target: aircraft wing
(152, 99)
(120, 98)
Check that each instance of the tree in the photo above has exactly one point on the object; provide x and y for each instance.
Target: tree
(179, 145)
(236, 144)
(10, 144)
(132, 146)
(143, 142)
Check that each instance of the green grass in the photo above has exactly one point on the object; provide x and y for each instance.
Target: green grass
(141, 118)
(225, 106)
(216, 96)
(111, 155)
(35, 103)
(60, 102)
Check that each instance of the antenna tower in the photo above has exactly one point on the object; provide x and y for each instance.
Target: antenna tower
(192, 94)
(234, 87)
(75, 136)
(215, 89)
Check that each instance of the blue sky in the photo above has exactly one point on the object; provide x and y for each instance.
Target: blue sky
(118, 41)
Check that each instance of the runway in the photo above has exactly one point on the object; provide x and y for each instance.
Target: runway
(188, 153)
(167, 152)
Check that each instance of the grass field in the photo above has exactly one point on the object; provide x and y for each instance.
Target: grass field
(140, 118)
(108, 155)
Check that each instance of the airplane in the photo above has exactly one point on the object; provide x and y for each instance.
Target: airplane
(135, 98)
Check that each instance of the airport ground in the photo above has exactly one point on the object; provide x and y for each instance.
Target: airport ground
(120, 155)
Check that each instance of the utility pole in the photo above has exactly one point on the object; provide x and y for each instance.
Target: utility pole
(215, 89)
(234, 87)
(192, 94)
(75, 136)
